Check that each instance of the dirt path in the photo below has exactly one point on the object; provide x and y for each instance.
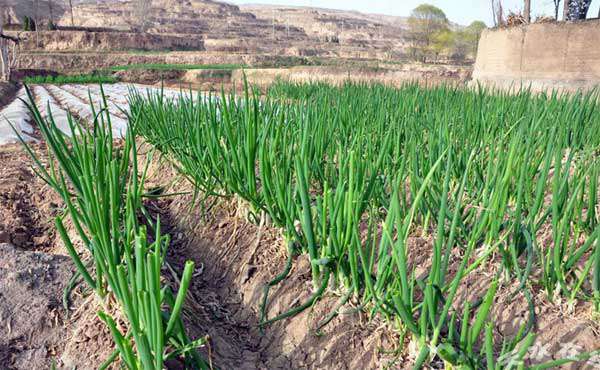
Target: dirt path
(33, 273)
(30, 306)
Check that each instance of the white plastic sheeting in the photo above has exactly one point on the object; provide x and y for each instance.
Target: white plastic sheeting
(117, 93)
(168, 93)
(74, 99)
(17, 114)
(83, 110)
(84, 93)
(45, 101)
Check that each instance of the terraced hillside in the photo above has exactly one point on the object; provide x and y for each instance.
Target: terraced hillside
(229, 28)
(13, 11)
(377, 31)
(206, 17)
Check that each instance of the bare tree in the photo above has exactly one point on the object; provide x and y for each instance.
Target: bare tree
(579, 8)
(527, 11)
(51, 12)
(8, 52)
(36, 20)
(556, 8)
(494, 13)
(500, 14)
(72, 18)
(497, 13)
(140, 11)
(576, 9)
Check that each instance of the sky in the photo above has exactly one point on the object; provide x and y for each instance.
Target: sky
(458, 11)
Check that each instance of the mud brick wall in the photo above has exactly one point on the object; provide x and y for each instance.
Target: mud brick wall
(543, 56)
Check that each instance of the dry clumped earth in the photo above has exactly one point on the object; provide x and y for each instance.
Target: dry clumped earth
(32, 278)
(30, 306)
(26, 203)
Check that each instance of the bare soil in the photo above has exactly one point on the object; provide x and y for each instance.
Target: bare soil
(149, 76)
(27, 204)
(31, 307)
(41, 324)
(8, 90)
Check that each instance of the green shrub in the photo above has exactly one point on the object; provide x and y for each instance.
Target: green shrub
(26, 24)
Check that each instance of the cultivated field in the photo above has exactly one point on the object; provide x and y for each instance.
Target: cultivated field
(356, 226)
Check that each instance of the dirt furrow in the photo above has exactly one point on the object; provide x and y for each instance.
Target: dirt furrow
(236, 259)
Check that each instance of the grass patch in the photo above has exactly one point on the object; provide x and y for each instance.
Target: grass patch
(75, 79)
